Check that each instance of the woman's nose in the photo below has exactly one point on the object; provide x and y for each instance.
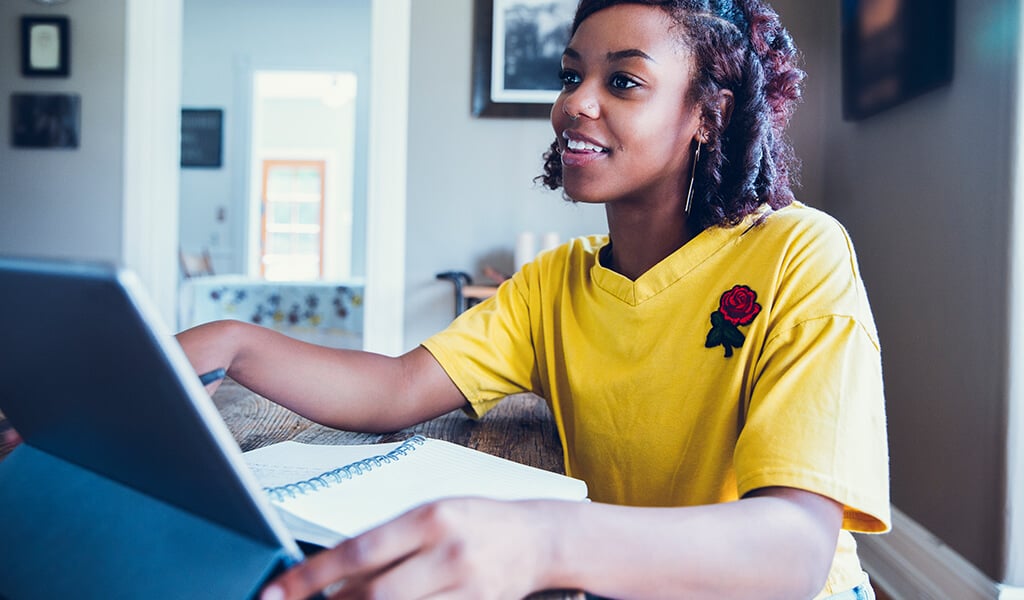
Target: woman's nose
(578, 104)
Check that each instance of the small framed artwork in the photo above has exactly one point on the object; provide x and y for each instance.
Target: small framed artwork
(45, 120)
(517, 53)
(202, 134)
(45, 46)
(893, 51)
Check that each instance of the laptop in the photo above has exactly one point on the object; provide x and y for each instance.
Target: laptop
(128, 483)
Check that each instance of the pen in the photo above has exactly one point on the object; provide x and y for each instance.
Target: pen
(214, 375)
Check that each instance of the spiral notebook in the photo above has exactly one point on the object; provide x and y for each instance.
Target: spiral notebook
(329, 493)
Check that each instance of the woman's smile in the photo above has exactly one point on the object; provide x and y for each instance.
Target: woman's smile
(579, 150)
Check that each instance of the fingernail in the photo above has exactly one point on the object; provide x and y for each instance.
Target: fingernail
(273, 592)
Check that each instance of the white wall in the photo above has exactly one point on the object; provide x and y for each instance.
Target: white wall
(47, 195)
(112, 198)
(470, 180)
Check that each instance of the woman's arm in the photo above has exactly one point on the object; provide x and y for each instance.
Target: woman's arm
(776, 543)
(347, 389)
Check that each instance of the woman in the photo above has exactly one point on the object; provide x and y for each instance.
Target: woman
(712, 363)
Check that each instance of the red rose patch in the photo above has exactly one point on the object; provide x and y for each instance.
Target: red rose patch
(737, 307)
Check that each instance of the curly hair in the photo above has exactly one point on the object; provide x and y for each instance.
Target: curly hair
(740, 46)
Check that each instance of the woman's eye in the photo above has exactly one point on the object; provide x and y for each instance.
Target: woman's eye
(622, 82)
(569, 77)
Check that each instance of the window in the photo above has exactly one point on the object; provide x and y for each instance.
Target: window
(302, 175)
(293, 212)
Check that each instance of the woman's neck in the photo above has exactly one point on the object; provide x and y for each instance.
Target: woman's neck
(641, 238)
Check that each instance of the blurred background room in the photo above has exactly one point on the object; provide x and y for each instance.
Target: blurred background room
(314, 165)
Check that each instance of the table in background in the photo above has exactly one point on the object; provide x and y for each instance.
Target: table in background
(467, 295)
(323, 312)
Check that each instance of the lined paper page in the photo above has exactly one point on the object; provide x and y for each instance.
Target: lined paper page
(288, 462)
(434, 470)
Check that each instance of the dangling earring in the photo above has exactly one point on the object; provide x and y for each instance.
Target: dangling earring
(693, 176)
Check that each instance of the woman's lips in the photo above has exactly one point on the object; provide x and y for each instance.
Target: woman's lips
(580, 150)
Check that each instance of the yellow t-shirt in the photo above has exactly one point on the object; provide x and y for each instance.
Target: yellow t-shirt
(747, 358)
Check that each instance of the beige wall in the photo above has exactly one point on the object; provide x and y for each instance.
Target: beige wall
(926, 190)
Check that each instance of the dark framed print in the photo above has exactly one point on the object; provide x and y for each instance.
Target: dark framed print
(517, 53)
(45, 46)
(202, 134)
(45, 120)
(894, 50)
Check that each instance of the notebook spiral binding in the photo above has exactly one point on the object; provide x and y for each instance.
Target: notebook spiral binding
(341, 474)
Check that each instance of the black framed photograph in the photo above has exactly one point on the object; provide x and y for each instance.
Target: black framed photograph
(517, 53)
(202, 135)
(45, 120)
(893, 51)
(45, 46)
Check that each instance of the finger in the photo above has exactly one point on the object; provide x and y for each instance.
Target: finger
(417, 575)
(10, 437)
(357, 558)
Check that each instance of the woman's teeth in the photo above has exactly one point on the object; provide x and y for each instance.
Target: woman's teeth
(581, 146)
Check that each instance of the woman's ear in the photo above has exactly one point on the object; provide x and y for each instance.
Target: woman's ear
(726, 101)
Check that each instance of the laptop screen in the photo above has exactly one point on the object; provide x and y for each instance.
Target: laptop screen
(91, 376)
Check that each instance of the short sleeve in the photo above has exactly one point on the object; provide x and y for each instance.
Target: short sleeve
(487, 351)
(816, 421)
(816, 413)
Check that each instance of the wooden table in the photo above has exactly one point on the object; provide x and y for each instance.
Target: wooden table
(520, 428)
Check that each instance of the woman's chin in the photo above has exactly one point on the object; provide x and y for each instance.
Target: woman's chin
(582, 195)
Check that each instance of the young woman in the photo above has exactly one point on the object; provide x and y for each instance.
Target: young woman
(712, 363)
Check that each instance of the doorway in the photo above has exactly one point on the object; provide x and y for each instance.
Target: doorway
(304, 176)
(386, 23)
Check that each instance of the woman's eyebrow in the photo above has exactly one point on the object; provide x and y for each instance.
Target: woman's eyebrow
(630, 53)
(612, 56)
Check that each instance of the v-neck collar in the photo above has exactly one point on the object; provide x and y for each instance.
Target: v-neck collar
(673, 267)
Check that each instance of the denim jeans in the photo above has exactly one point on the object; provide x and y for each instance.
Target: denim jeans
(863, 591)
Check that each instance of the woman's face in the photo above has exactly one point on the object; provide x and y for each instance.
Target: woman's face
(625, 78)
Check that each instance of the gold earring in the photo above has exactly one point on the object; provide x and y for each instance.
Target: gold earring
(693, 176)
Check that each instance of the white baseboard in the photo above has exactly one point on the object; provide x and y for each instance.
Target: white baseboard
(910, 563)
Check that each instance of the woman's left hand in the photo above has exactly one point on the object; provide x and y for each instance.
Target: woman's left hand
(458, 548)
(9, 437)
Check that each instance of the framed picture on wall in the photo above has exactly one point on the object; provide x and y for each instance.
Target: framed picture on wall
(45, 46)
(45, 120)
(894, 50)
(202, 134)
(517, 53)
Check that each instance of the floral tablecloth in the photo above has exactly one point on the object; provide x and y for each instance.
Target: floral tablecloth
(327, 312)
